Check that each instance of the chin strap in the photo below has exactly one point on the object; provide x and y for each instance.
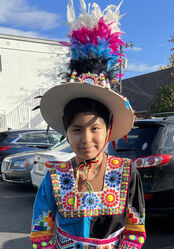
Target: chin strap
(88, 164)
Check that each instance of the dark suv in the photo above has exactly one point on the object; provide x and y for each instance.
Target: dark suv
(151, 146)
(16, 141)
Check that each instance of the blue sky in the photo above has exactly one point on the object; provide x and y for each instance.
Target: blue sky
(149, 24)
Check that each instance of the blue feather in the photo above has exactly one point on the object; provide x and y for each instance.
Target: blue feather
(79, 50)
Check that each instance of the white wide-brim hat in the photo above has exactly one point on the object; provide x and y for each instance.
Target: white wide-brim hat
(54, 101)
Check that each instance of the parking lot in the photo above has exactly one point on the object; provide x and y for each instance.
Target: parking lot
(16, 202)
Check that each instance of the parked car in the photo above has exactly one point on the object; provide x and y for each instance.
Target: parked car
(59, 152)
(16, 168)
(151, 146)
(16, 141)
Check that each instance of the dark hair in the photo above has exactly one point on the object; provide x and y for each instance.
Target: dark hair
(79, 105)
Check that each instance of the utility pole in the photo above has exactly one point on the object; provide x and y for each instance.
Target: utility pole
(122, 63)
(120, 69)
(171, 58)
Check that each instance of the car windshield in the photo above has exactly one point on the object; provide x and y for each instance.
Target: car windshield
(2, 136)
(139, 138)
(139, 141)
(62, 146)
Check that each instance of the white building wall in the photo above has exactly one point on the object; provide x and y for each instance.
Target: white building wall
(27, 65)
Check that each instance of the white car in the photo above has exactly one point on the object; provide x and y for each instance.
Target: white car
(60, 152)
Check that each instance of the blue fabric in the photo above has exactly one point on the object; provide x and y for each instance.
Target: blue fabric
(45, 202)
(75, 226)
(42, 203)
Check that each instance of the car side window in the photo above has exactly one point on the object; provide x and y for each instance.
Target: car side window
(54, 137)
(11, 138)
(170, 140)
(34, 137)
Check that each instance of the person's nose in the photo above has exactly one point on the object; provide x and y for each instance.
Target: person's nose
(86, 136)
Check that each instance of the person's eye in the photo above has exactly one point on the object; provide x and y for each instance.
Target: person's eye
(95, 128)
(76, 130)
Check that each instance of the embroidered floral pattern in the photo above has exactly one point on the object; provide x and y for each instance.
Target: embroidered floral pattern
(106, 247)
(113, 179)
(63, 166)
(110, 198)
(78, 245)
(66, 181)
(114, 162)
(90, 200)
(68, 201)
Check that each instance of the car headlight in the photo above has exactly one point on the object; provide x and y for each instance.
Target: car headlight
(20, 164)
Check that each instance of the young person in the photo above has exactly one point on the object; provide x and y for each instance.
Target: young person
(93, 200)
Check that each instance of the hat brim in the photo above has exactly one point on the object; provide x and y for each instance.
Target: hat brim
(54, 101)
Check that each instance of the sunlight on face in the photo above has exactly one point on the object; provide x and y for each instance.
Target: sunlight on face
(87, 135)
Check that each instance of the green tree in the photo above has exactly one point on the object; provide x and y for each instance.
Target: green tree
(164, 101)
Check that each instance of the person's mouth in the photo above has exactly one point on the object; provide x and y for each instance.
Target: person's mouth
(87, 149)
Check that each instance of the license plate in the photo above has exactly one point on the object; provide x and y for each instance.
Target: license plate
(40, 167)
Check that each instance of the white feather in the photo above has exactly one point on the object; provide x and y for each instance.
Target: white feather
(118, 7)
(97, 13)
(83, 6)
(89, 6)
(112, 16)
(71, 17)
(91, 18)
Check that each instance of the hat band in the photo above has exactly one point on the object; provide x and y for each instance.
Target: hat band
(92, 79)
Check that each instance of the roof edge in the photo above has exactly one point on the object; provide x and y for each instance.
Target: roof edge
(30, 39)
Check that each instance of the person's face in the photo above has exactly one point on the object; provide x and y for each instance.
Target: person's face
(86, 135)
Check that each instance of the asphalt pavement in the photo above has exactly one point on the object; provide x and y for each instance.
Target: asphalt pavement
(16, 203)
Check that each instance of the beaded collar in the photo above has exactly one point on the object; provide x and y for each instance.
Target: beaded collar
(110, 201)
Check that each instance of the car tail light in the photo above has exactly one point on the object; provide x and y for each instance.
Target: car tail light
(151, 161)
(26, 164)
(4, 148)
(148, 196)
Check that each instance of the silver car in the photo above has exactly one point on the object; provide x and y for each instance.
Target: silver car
(59, 152)
(16, 168)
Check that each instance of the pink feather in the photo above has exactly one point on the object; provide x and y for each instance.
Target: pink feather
(103, 31)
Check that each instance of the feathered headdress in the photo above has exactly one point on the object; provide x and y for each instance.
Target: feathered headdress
(95, 56)
(94, 40)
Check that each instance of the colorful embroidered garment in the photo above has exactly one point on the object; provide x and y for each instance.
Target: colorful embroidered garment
(111, 218)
